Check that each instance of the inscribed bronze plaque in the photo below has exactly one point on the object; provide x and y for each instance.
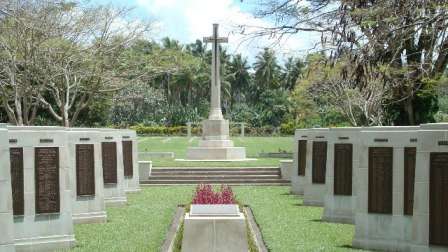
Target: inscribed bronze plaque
(319, 162)
(127, 158)
(109, 156)
(380, 180)
(409, 177)
(302, 157)
(85, 170)
(18, 201)
(47, 179)
(438, 199)
(343, 165)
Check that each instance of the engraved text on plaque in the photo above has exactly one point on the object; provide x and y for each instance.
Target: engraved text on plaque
(438, 198)
(319, 162)
(302, 157)
(85, 170)
(127, 158)
(47, 179)
(16, 159)
(109, 156)
(409, 177)
(380, 179)
(343, 164)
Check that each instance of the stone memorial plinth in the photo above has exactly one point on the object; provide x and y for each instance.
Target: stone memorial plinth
(112, 165)
(299, 161)
(130, 161)
(380, 219)
(315, 170)
(86, 175)
(6, 202)
(430, 221)
(286, 168)
(340, 180)
(214, 228)
(215, 144)
(144, 169)
(43, 219)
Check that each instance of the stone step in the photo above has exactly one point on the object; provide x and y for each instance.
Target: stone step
(219, 175)
(220, 181)
(212, 173)
(208, 176)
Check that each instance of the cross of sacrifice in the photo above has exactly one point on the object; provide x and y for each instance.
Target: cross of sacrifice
(215, 98)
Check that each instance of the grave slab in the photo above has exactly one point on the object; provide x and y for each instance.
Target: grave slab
(86, 176)
(342, 163)
(314, 191)
(6, 201)
(430, 210)
(380, 222)
(46, 222)
(299, 161)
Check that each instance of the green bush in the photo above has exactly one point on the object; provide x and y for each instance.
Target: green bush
(158, 131)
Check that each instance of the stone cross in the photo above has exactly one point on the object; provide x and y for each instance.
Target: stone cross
(215, 99)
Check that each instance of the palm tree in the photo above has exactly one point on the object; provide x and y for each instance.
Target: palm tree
(267, 73)
(238, 77)
(291, 73)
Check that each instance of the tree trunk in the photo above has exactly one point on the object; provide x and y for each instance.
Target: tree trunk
(409, 110)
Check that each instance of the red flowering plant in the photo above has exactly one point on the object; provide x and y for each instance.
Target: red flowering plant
(204, 194)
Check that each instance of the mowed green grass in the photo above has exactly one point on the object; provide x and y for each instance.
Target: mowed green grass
(179, 145)
(286, 225)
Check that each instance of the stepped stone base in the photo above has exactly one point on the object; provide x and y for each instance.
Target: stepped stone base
(216, 153)
(215, 144)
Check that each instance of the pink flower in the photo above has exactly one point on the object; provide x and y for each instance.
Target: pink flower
(204, 194)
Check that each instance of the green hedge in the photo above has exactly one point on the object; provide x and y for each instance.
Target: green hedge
(284, 129)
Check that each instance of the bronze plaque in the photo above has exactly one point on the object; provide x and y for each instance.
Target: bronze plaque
(109, 157)
(18, 201)
(127, 158)
(409, 177)
(343, 166)
(438, 199)
(302, 157)
(85, 170)
(380, 180)
(319, 162)
(47, 179)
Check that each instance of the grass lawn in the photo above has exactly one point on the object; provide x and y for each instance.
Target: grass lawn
(178, 145)
(286, 225)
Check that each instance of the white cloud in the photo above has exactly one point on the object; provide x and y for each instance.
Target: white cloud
(189, 20)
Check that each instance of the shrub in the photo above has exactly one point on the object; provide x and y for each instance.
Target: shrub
(204, 194)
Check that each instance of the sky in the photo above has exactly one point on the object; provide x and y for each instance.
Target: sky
(188, 20)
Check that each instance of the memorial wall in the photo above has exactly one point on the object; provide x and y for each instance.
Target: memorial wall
(53, 177)
(391, 182)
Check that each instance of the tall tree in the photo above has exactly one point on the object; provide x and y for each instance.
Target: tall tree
(238, 77)
(403, 43)
(291, 72)
(266, 73)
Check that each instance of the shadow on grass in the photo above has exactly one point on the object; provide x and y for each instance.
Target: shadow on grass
(317, 220)
(347, 247)
(297, 205)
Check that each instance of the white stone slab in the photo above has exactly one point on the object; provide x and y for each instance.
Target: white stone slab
(36, 232)
(286, 168)
(389, 232)
(298, 182)
(341, 208)
(144, 169)
(114, 194)
(214, 233)
(132, 183)
(429, 137)
(314, 193)
(87, 209)
(6, 213)
(214, 210)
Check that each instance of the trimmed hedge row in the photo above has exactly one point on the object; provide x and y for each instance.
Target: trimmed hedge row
(197, 131)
